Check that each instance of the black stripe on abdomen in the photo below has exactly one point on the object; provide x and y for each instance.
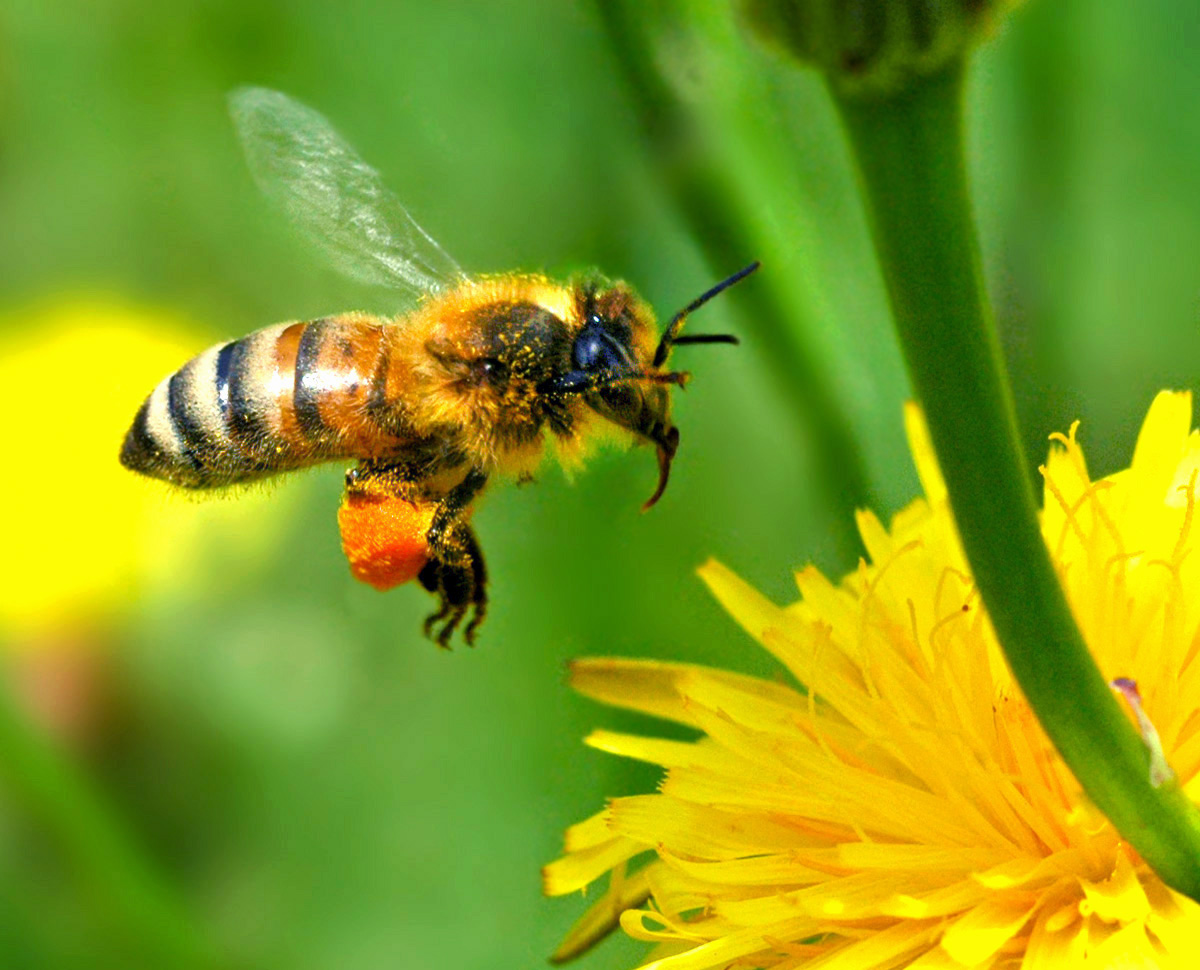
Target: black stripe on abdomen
(245, 423)
(306, 393)
(139, 451)
(245, 441)
(192, 437)
(381, 412)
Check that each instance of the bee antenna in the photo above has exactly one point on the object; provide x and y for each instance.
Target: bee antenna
(705, 338)
(671, 334)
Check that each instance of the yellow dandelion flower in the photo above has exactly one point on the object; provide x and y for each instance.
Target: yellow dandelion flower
(82, 535)
(908, 810)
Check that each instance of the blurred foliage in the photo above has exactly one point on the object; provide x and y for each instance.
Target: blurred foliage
(321, 785)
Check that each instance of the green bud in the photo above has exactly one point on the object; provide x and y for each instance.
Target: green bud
(875, 47)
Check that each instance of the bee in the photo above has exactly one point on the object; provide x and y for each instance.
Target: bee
(470, 383)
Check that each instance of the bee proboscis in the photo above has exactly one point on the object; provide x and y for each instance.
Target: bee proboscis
(469, 384)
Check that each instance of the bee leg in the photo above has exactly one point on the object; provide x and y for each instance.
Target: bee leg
(478, 585)
(450, 584)
(430, 577)
(444, 538)
(460, 586)
(371, 477)
(455, 571)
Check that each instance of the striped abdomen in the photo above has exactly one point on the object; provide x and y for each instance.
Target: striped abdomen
(281, 398)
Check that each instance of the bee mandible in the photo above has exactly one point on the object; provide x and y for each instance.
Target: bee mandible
(470, 383)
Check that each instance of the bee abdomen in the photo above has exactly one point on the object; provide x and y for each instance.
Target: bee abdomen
(281, 398)
(185, 431)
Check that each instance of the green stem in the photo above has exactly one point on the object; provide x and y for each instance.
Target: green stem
(909, 149)
(103, 853)
(706, 198)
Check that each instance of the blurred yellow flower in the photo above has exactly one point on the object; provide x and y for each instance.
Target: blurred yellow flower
(909, 811)
(82, 535)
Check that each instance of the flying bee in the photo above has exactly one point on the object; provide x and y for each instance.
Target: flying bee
(470, 384)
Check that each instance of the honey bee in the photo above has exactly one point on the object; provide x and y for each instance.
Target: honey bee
(471, 383)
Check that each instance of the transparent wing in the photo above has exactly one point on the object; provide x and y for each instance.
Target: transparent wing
(335, 197)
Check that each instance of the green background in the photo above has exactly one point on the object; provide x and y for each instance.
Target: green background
(322, 785)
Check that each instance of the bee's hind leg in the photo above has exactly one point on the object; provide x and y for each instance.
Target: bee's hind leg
(460, 584)
(445, 537)
(446, 582)
(478, 586)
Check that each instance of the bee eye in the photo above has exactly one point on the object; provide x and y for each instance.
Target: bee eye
(595, 350)
(492, 370)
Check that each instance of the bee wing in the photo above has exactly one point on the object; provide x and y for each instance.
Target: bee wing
(336, 199)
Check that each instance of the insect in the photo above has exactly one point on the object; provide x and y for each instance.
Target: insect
(472, 382)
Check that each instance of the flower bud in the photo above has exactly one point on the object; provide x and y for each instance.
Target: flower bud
(875, 47)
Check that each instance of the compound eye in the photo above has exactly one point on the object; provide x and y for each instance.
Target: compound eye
(491, 370)
(595, 350)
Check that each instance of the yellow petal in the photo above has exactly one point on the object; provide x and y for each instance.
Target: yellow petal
(878, 855)
(979, 934)
(1163, 438)
(890, 947)
(604, 915)
(858, 897)
(657, 688)
(947, 900)
(695, 830)
(877, 540)
(728, 949)
(1028, 871)
(1118, 898)
(661, 752)
(925, 458)
(1130, 949)
(1055, 949)
(1174, 919)
(753, 611)
(763, 870)
(591, 831)
(579, 869)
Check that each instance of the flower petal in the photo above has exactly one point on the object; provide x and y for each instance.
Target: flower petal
(604, 915)
(655, 687)
(905, 809)
(725, 950)
(986, 928)
(1120, 898)
(579, 869)
(702, 832)
(925, 458)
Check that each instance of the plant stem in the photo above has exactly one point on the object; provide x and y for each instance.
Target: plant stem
(909, 150)
(107, 859)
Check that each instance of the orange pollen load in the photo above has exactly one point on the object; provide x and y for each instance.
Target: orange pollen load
(383, 537)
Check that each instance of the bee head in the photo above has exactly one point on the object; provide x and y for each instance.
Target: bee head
(615, 346)
(616, 349)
